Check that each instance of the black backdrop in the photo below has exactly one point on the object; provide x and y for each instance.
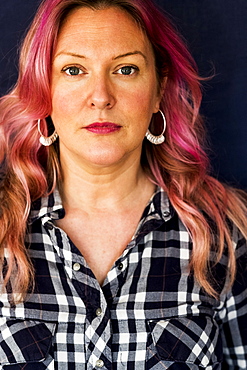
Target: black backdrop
(216, 34)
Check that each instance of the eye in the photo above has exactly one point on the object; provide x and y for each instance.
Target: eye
(72, 71)
(127, 70)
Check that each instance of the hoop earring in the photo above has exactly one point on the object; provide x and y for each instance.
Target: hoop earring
(156, 140)
(47, 140)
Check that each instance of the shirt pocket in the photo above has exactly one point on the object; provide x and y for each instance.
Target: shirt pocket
(193, 341)
(25, 344)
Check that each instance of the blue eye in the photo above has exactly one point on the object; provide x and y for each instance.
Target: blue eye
(73, 71)
(127, 70)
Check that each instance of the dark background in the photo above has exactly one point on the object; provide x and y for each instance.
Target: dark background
(216, 34)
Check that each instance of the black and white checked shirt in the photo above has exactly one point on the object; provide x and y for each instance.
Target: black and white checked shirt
(149, 313)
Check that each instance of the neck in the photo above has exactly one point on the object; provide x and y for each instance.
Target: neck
(104, 188)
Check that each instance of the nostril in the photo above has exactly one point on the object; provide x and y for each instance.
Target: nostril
(101, 105)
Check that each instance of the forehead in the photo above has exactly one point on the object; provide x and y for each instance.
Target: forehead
(111, 28)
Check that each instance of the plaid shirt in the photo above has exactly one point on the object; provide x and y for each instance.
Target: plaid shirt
(149, 314)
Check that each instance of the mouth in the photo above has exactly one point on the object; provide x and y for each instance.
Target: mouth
(103, 127)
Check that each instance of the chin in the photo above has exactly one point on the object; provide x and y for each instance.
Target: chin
(105, 159)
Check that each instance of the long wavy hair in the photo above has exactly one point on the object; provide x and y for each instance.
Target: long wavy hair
(179, 165)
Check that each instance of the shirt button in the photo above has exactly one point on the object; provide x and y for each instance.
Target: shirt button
(99, 363)
(120, 266)
(166, 213)
(76, 266)
(49, 225)
(99, 312)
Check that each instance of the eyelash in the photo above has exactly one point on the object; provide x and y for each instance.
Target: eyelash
(66, 69)
(136, 69)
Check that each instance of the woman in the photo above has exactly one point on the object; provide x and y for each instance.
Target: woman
(119, 251)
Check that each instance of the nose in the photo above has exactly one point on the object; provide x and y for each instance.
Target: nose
(102, 95)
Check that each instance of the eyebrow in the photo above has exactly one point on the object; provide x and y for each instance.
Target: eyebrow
(136, 52)
(70, 54)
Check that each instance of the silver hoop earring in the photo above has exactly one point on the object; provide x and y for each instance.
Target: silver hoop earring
(47, 140)
(156, 140)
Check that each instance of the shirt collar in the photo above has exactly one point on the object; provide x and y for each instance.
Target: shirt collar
(159, 205)
(48, 205)
(51, 205)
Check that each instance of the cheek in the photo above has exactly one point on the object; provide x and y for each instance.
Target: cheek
(140, 98)
(62, 104)
(60, 114)
(145, 104)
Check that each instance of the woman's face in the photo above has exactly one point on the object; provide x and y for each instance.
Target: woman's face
(104, 87)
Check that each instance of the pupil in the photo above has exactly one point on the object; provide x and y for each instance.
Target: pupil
(74, 71)
(126, 70)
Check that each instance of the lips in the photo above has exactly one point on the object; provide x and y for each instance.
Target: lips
(103, 127)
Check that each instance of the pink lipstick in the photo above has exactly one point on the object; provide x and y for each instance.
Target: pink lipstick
(103, 127)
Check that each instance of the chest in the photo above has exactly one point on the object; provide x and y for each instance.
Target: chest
(145, 307)
(101, 240)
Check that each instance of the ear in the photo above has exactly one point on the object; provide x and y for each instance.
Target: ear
(160, 95)
(163, 87)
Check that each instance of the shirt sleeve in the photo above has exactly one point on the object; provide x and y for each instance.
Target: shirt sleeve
(234, 315)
